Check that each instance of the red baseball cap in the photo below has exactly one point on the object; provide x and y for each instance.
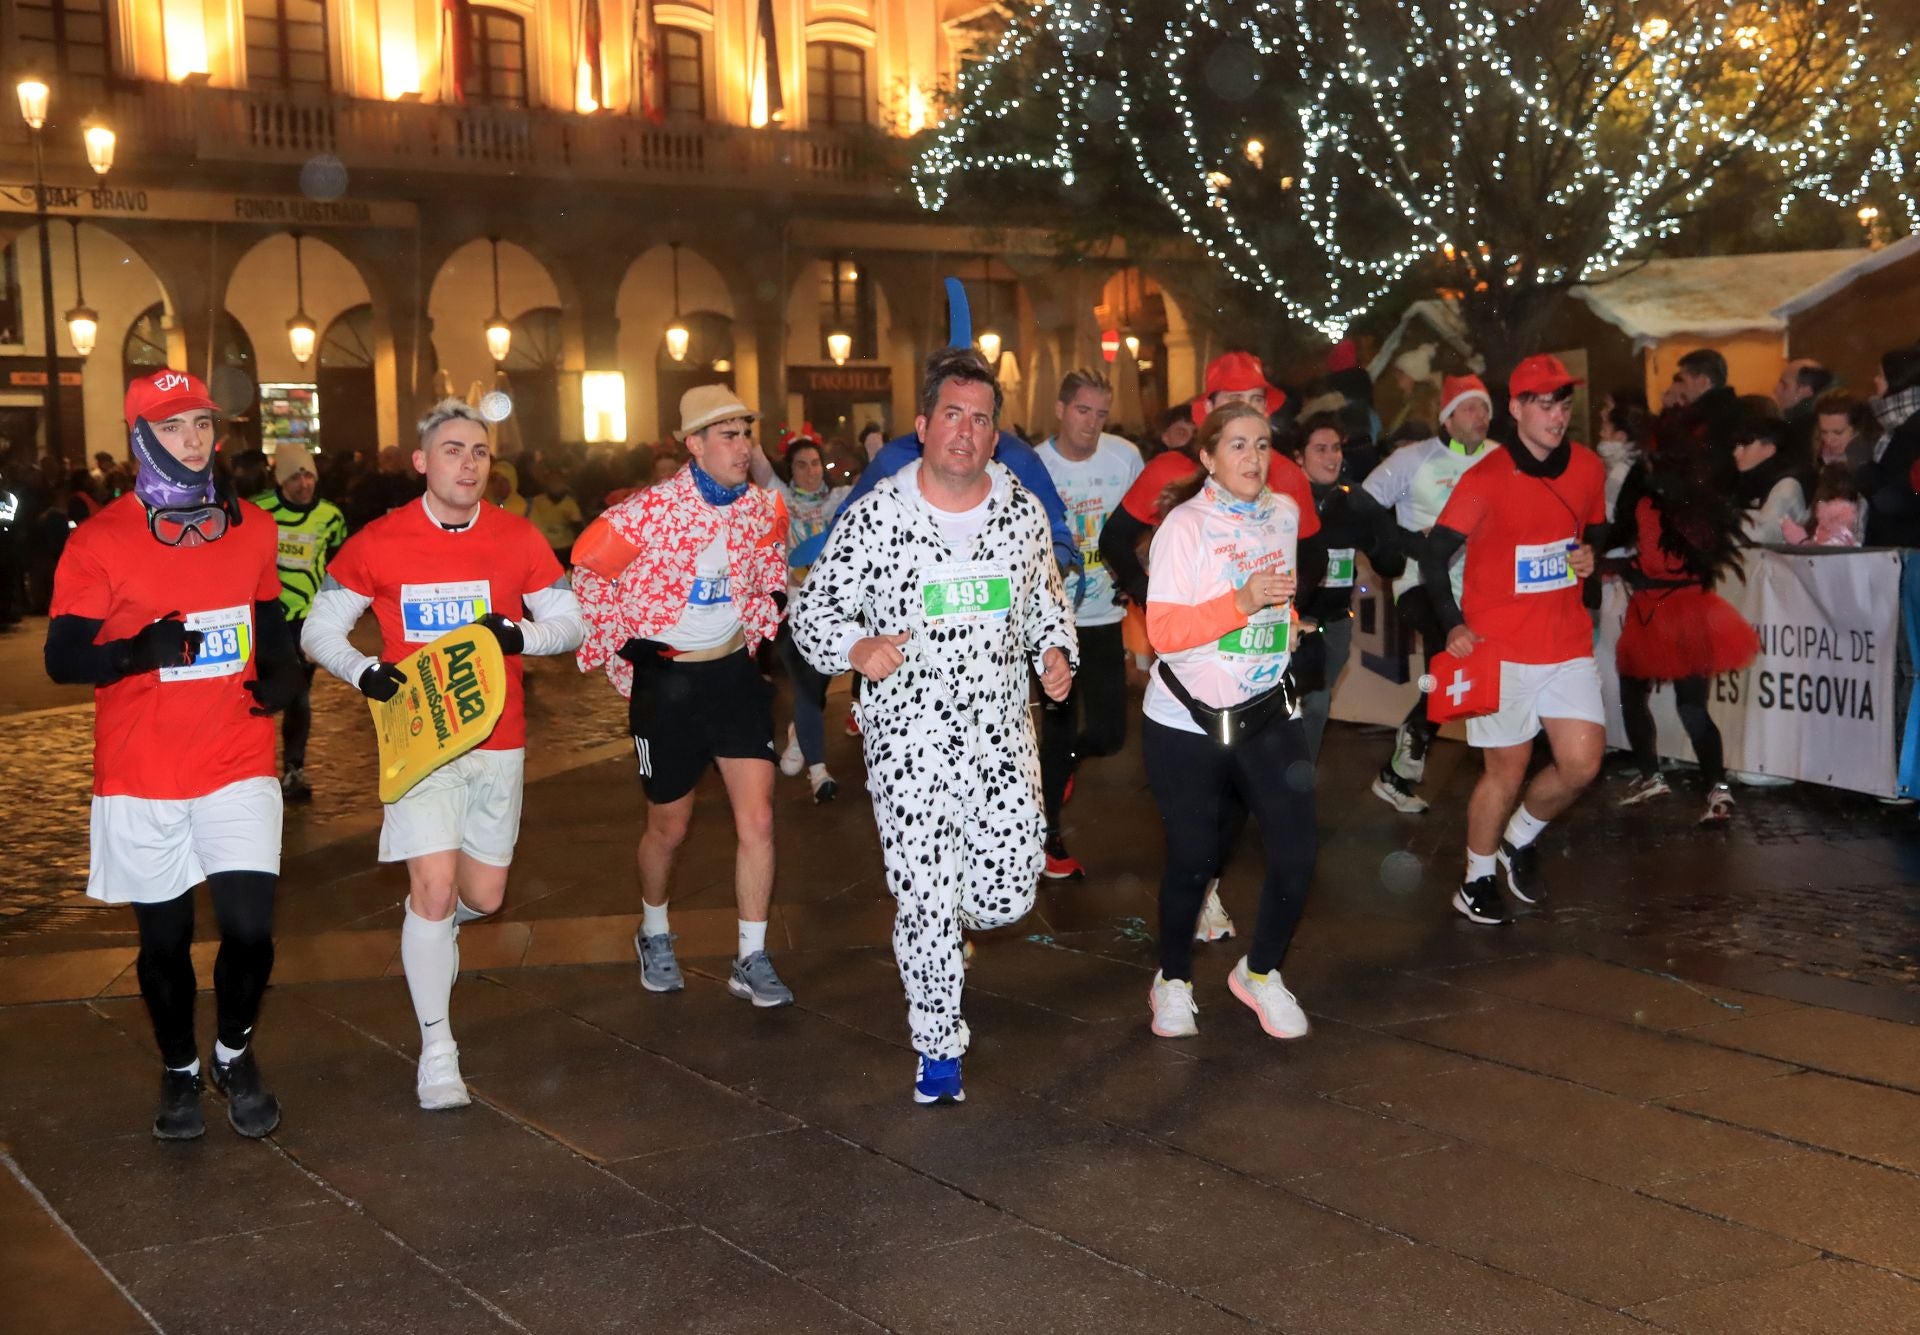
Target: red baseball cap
(1540, 374)
(167, 394)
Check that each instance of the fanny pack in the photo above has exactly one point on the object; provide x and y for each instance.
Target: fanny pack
(1229, 726)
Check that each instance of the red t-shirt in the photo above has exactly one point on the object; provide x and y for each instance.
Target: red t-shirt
(1518, 590)
(425, 581)
(185, 731)
(1171, 468)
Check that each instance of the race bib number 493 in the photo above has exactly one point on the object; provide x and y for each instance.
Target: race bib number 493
(428, 611)
(1543, 568)
(226, 643)
(966, 592)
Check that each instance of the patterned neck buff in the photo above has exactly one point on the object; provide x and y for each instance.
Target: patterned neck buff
(1233, 505)
(713, 492)
(161, 480)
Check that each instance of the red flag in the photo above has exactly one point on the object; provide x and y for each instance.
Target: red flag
(1460, 688)
(590, 45)
(456, 49)
(648, 64)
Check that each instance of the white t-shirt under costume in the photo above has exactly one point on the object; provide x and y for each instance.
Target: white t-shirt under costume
(1092, 489)
(1416, 480)
(710, 618)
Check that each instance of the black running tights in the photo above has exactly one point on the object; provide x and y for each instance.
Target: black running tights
(1091, 721)
(297, 722)
(1201, 787)
(1690, 697)
(243, 906)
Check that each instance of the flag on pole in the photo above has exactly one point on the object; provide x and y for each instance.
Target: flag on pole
(1459, 688)
(591, 93)
(456, 50)
(770, 48)
(649, 60)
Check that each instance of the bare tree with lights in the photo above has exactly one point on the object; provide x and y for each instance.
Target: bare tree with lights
(1328, 156)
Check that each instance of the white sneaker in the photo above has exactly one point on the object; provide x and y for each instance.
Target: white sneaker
(439, 1084)
(1404, 763)
(1173, 1007)
(1214, 924)
(791, 760)
(1280, 1015)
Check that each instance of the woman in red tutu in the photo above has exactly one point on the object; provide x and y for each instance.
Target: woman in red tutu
(1678, 629)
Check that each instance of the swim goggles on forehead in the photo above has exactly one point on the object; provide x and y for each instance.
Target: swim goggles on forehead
(188, 525)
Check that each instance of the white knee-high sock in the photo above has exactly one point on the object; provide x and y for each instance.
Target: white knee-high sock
(431, 957)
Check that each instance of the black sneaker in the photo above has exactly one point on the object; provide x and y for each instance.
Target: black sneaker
(1479, 901)
(251, 1107)
(1523, 871)
(179, 1116)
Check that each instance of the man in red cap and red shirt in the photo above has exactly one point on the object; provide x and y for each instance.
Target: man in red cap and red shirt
(168, 604)
(1232, 377)
(1530, 517)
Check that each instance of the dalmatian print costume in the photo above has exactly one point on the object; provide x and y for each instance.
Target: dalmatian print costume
(951, 760)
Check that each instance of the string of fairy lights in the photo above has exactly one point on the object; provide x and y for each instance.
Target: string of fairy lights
(1420, 126)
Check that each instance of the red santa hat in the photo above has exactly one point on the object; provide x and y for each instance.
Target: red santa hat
(1457, 389)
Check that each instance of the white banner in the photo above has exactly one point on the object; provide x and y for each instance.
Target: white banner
(1817, 704)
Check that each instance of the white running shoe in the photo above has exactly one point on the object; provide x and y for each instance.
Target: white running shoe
(1719, 805)
(1645, 788)
(439, 1084)
(1214, 924)
(1398, 793)
(1408, 766)
(1173, 1007)
(1280, 1015)
(791, 760)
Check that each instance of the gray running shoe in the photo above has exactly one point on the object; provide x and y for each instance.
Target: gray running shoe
(659, 970)
(754, 979)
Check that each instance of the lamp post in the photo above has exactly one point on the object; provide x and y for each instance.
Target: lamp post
(83, 321)
(34, 95)
(301, 334)
(499, 332)
(677, 335)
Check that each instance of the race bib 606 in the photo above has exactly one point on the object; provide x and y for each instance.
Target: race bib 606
(1543, 568)
(226, 643)
(428, 611)
(965, 592)
(1266, 633)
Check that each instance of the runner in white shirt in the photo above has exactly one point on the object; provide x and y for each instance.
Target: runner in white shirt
(1415, 482)
(1223, 716)
(1092, 471)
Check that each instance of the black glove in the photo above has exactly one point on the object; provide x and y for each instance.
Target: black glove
(381, 682)
(277, 685)
(161, 644)
(511, 640)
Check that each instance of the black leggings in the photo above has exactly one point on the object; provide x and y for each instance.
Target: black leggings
(1417, 615)
(1091, 721)
(243, 906)
(1205, 791)
(297, 723)
(1690, 697)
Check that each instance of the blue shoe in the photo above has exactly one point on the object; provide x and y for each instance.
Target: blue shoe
(938, 1082)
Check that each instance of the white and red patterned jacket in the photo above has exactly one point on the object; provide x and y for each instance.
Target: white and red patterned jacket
(635, 564)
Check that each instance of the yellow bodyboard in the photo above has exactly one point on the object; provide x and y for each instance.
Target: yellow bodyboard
(455, 692)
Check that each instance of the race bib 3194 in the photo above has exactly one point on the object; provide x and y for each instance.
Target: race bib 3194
(428, 611)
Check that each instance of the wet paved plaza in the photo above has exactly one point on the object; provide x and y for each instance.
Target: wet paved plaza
(1684, 1096)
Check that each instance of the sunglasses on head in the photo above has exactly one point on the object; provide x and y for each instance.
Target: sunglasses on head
(188, 525)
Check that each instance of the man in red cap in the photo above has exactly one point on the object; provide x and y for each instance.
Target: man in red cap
(168, 604)
(1530, 518)
(1232, 377)
(1415, 482)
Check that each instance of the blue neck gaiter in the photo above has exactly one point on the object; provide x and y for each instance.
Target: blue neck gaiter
(715, 493)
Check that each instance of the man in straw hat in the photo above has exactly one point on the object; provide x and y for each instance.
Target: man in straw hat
(680, 584)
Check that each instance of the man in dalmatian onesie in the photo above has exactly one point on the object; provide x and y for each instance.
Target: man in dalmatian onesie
(939, 587)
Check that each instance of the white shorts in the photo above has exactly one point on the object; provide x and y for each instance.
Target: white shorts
(1530, 692)
(148, 850)
(470, 804)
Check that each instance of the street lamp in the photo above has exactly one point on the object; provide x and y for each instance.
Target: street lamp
(301, 335)
(677, 335)
(34, 97)
(499, 332)
(83, 322)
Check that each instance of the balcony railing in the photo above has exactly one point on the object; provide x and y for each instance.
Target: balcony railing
(157, 121)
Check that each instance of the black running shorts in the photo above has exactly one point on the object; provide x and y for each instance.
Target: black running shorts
(684, 716)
